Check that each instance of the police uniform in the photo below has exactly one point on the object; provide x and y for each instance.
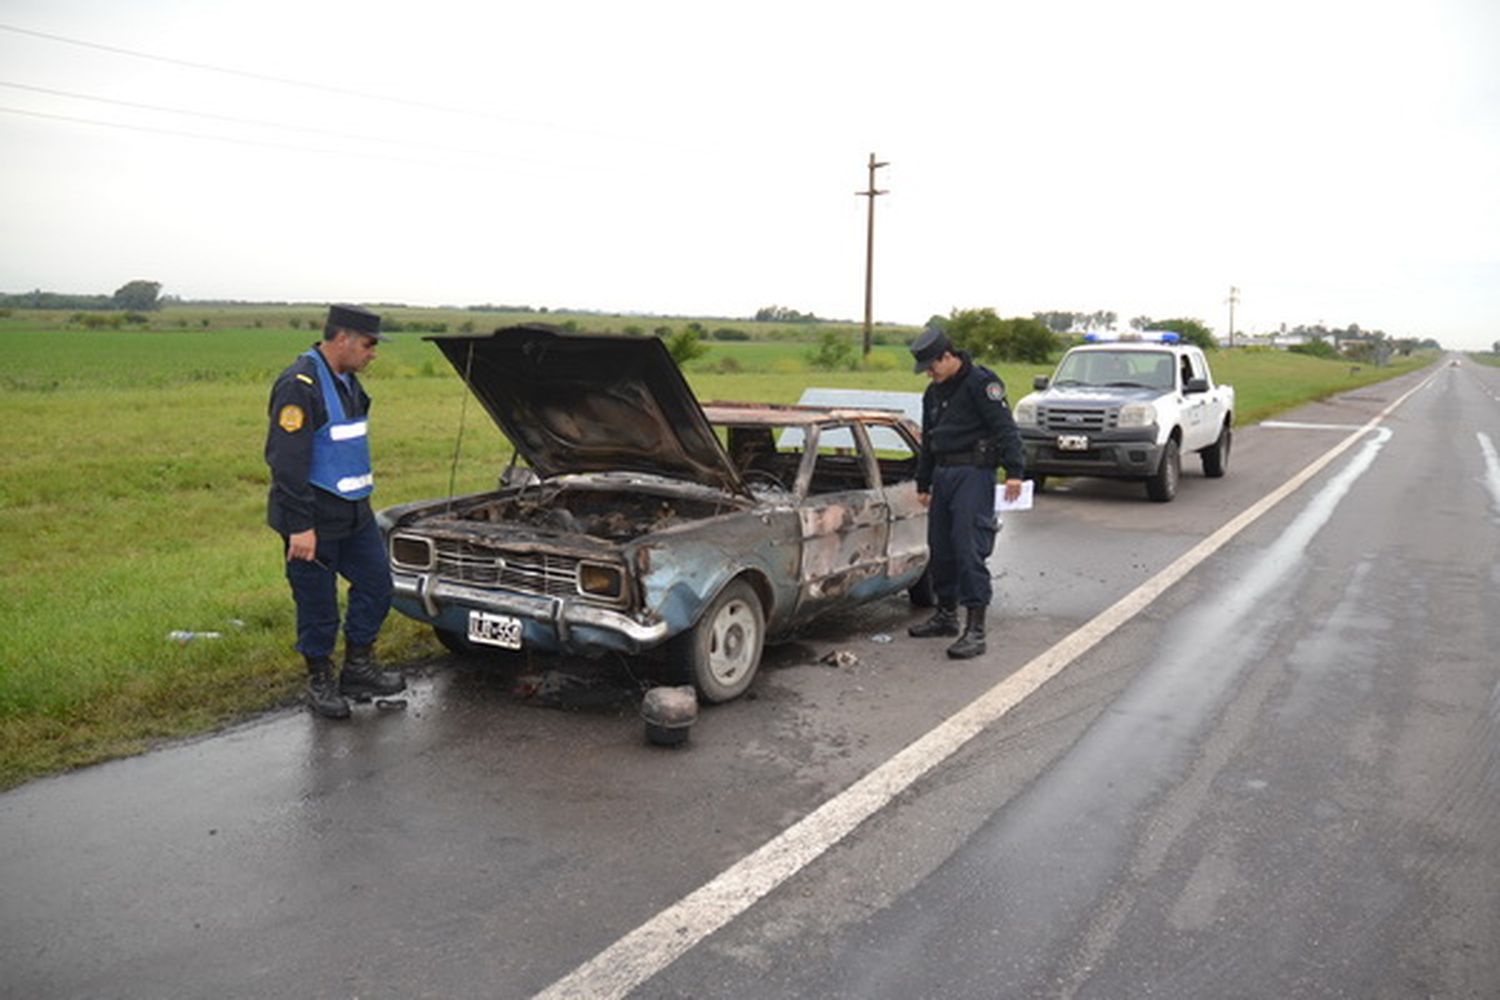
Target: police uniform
(967, 432)
(317, 447)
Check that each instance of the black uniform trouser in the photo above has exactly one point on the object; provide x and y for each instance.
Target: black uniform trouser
(961, 534)
(361, 560)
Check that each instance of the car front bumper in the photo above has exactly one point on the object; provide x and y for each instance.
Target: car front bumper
(553, 624)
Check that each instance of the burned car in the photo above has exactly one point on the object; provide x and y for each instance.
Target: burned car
(648, 521)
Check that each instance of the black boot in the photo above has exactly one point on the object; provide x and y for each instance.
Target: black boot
(971, 643)
(944, 621)
(363, 678)
(322, 691)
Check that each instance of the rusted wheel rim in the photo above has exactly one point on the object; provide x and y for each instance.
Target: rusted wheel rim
(733, 642)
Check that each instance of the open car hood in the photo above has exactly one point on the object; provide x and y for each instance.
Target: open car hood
(578, 402)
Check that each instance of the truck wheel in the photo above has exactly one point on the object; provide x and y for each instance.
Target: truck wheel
(1162, 486)
(721, 653)
(1216, 456)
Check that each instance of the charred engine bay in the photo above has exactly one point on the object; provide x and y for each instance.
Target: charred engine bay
(614, 515)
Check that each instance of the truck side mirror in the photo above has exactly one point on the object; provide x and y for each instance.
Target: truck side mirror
(1196, 385)
(1040, 382)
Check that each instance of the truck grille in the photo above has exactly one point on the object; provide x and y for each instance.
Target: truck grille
(1065, 419)
(547, 575)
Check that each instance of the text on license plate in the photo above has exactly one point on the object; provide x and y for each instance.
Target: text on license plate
(495, 630)
(1072, 442)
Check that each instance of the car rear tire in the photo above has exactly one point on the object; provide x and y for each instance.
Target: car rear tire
(1216, 456)
(721, 654)
(1162, 486)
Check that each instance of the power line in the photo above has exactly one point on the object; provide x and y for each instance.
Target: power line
(184, 134)
(261, 123)
(262, 77)
(312, 85)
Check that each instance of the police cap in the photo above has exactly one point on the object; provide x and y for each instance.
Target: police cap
(354, 318)
(930, 345)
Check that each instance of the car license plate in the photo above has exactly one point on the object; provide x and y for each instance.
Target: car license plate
(1072, 442)
(495, 630)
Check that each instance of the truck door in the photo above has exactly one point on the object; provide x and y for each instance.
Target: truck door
(1211, 404)
(1196, 426)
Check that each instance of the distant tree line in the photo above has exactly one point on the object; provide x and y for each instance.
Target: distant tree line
(135, 296)
(988, 337)
(781, 314)
(1193, 331)
(1372, 346)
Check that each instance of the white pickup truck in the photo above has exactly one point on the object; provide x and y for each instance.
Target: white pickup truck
(1128, 409)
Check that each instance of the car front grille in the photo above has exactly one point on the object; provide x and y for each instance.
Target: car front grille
(1076, 419)
(529, 573)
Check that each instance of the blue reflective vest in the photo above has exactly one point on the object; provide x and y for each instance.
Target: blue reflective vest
(341, 449)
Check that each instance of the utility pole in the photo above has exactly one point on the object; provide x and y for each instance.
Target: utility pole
(1234, 297)
(871, 194)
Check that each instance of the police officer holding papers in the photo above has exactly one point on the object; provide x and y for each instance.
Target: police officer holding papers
(319, 453)
(967, 432)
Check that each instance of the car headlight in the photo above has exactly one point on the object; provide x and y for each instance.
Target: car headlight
(1025, 413)
(601, 580)
(412, 552)
(1137, 415)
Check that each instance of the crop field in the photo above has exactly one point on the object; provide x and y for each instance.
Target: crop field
(132, 500)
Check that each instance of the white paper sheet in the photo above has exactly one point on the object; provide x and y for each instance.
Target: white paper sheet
(1022, 502)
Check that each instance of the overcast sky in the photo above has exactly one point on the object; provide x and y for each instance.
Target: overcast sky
(1337, 162)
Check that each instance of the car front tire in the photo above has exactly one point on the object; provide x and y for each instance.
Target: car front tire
(721, 654)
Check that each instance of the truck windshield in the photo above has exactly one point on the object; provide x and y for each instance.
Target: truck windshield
(1126, 369)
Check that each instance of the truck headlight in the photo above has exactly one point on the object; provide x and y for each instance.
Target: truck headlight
(1137, 415)
(1025, 413)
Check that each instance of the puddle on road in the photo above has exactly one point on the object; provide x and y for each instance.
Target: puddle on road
(608, 684)
(613, 683)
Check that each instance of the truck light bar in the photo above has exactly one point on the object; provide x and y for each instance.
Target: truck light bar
(1145, 336)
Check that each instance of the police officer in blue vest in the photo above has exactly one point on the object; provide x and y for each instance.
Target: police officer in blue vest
(319, 453)
(967, 432)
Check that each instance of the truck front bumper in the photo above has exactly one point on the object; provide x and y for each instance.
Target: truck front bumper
(1118, 454)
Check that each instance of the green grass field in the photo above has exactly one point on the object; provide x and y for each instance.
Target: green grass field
(132, 494)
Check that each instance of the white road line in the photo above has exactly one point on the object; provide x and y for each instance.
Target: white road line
(1296, 426)
(1491, 468)
(660, 941)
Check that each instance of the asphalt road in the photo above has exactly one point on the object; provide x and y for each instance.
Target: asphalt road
(1281, 778)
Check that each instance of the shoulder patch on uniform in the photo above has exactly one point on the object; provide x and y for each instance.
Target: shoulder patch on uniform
(290, 418)
(995, 391)
(305, 378)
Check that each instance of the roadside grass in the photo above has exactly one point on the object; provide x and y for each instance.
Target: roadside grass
(1268, 381)
(132, 493)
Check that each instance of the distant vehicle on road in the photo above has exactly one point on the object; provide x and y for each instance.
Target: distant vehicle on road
(1127, 407)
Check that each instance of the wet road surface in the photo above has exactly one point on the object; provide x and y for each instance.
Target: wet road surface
(1282, 779)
